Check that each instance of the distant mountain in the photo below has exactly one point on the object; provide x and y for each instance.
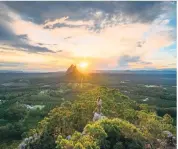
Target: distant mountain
(151, 71)
(10, 71)
(73, 72)
(168, 69)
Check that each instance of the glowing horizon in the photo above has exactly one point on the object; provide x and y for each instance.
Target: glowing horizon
(99, 33)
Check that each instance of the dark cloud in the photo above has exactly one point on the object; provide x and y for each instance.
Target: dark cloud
(43, 44)
(31, 48)
(111, 13)
(24, 37)
(9, 38)
(6, 34)
(39, 12)
(126, 59)
(60, 51)
(59, 25)
(140, 43)
(26, 47)
(36, 10)
(20, 42)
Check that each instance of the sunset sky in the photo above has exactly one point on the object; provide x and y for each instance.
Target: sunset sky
(49, 36)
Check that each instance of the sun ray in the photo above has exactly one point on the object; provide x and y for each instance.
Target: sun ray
(83, 65)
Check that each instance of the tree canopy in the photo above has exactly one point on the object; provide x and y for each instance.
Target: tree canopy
(128, 124)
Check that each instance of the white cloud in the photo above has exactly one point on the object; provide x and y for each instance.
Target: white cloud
(107, 46)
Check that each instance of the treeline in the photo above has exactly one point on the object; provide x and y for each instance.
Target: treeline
(171, 111)
(168, 96)
(16, 120)
(157, 92)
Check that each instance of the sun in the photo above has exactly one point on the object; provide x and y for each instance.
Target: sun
(83, 65)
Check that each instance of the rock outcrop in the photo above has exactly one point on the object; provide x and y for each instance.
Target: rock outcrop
(24, 144)
(73, 72)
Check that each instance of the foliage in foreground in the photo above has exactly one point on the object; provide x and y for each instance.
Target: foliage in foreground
(129, 124)
(107, 133)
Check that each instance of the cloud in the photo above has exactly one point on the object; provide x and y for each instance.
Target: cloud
(46, 44)
(147, 11)
(126, 60)
(21, 41)
(103, 14)
(59, 25)
(145, 63)
(5, 33)
(56, 34)
(140, 43)
(107, 14)
(64, 22)
(23, 37)
(11, 64)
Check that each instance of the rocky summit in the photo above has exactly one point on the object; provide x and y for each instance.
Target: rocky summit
(72, 71)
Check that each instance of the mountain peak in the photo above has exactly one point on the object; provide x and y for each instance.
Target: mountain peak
(73, 71)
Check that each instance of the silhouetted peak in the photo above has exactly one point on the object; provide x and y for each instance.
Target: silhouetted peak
(73, 71)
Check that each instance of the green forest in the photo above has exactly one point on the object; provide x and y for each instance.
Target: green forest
(125, 125)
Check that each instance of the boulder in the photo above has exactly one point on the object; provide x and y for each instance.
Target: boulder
(98, 116)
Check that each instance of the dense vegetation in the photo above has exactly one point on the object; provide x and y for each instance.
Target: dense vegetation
(128, 124)
(65, 113)
(20, 110)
